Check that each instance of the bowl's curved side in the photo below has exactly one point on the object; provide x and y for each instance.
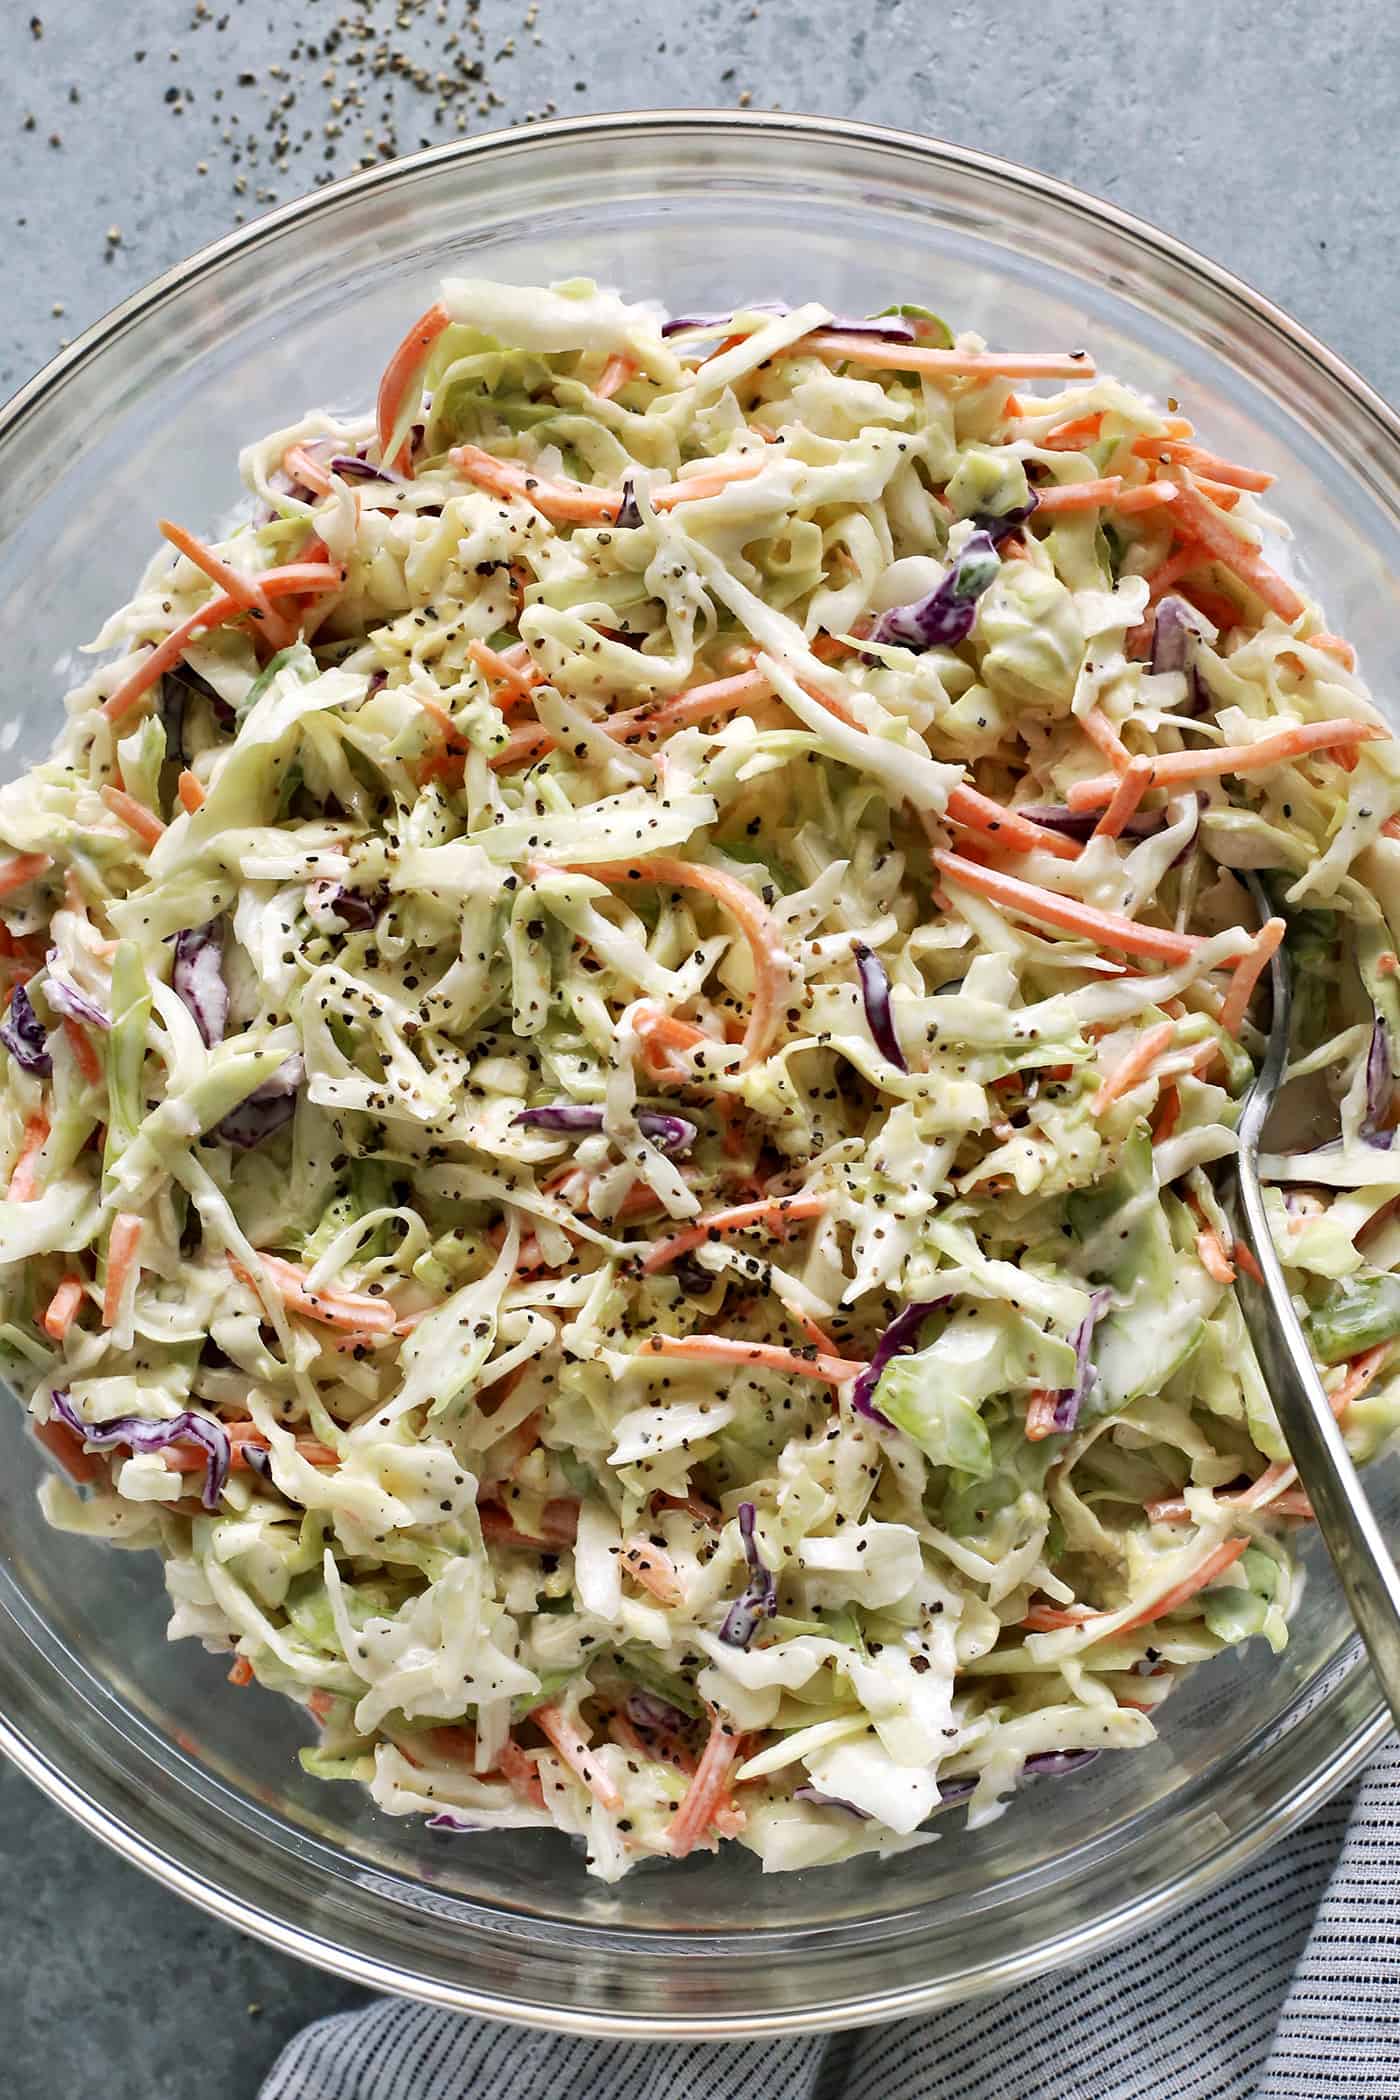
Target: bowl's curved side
(142, 415)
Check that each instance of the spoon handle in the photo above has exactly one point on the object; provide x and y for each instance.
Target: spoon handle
(1344, 1516)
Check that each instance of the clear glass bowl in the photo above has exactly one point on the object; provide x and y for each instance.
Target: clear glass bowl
(144, 1741)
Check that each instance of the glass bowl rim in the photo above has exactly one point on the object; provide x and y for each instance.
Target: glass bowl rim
(1065, 1946)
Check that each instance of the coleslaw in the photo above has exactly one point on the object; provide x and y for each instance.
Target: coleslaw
(618, 1011)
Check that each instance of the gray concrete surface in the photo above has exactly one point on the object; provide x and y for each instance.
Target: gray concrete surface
(1258, 130)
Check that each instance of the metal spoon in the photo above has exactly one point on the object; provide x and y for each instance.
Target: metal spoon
(1349, 1529)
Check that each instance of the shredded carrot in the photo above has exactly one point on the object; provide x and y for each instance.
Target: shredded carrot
(1149, 495)
(1079, 495)
(123, 1241)
(23, 868)
(240, 1671)
(1040, 1415)
(1201, 462)
(956, 364)
(972, 811)
(66, 1446)
(505, 667)
(1175, 768)
(299, 465)
(399, 374)
(84, 1056)
(1168, 1115)
(296, 580)
(246, 589)
(1334, 645)
(698, 486)
(190, 792)
(1198, 517)
(522, 747)
(564, 502)
(653, 1568)
(1169, 572)
(775, 1213)
(1107, 929)
(1247, 974)
(755, 923)
(1069, 437)
(24, 1181)
(1101, 732)
(1362, 1372)
(1133, 783)
(719, 696)
(332, 1308)
(577, 1755)
(707, 1791)
(63, 1307)
(134, 815)
(1210, 1252)
(762, 1356)
(1223, 1557)
(1134, 1067)
(614, 375)
(1220, 493)
(520, 1773)
(1245, 1262)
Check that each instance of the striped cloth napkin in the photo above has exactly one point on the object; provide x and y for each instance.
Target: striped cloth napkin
(1282, 1985)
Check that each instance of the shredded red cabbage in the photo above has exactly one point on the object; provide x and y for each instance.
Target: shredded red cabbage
(358, 911)
(1173, 631)
(1000, 525)
(946, 616)
(139, 1434)
(1080, 824)
(875, 992)
(448, 1819)
(652, 1714)
(898, 1339)
(1071, 1399)
(351, 468)
(628, 515)
(818, 1800)
(23, 1035)
(266, 1110)
(1052, 1764)
(671, 1134)
(759, 1599)
(65, 998)
(198, 979)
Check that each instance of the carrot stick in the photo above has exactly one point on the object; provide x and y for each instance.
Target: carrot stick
(1101, 732)
(1336, 646)
(775, 1213)
(134, 815)
(1198, 517)
(698, 486)
(1040, 1415)
(1202, 462)
(84, 1056)
(654, 1569)
(563, 502)
(1069, 437)
(1149, 495)
(63, 1307)
(294, 580)
(1105, 928)
(1176, 767)
(503, 668)
(521, 1773)
(23, 868)
(522, 747)
(1133, 784)
(190, 792)
(246, 589)
(122, 1243)
(1247, 975)
(707, 1790)
(720, 696)
(1170, 571)
(299, 465)
(758, 928)
(763, 1356)
(577, 1755)
(1220, 493)
(1005, 827)
(956, 364)
(332, 1308)
(1079, 495)
(658, 1031)
(243, 1438)
(1214, 1564)
(614, 375)
(1134, 1067)
(400, 372)
(66, 1446)
(1210, 1252)
(24, 1181)
(240, 1671)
